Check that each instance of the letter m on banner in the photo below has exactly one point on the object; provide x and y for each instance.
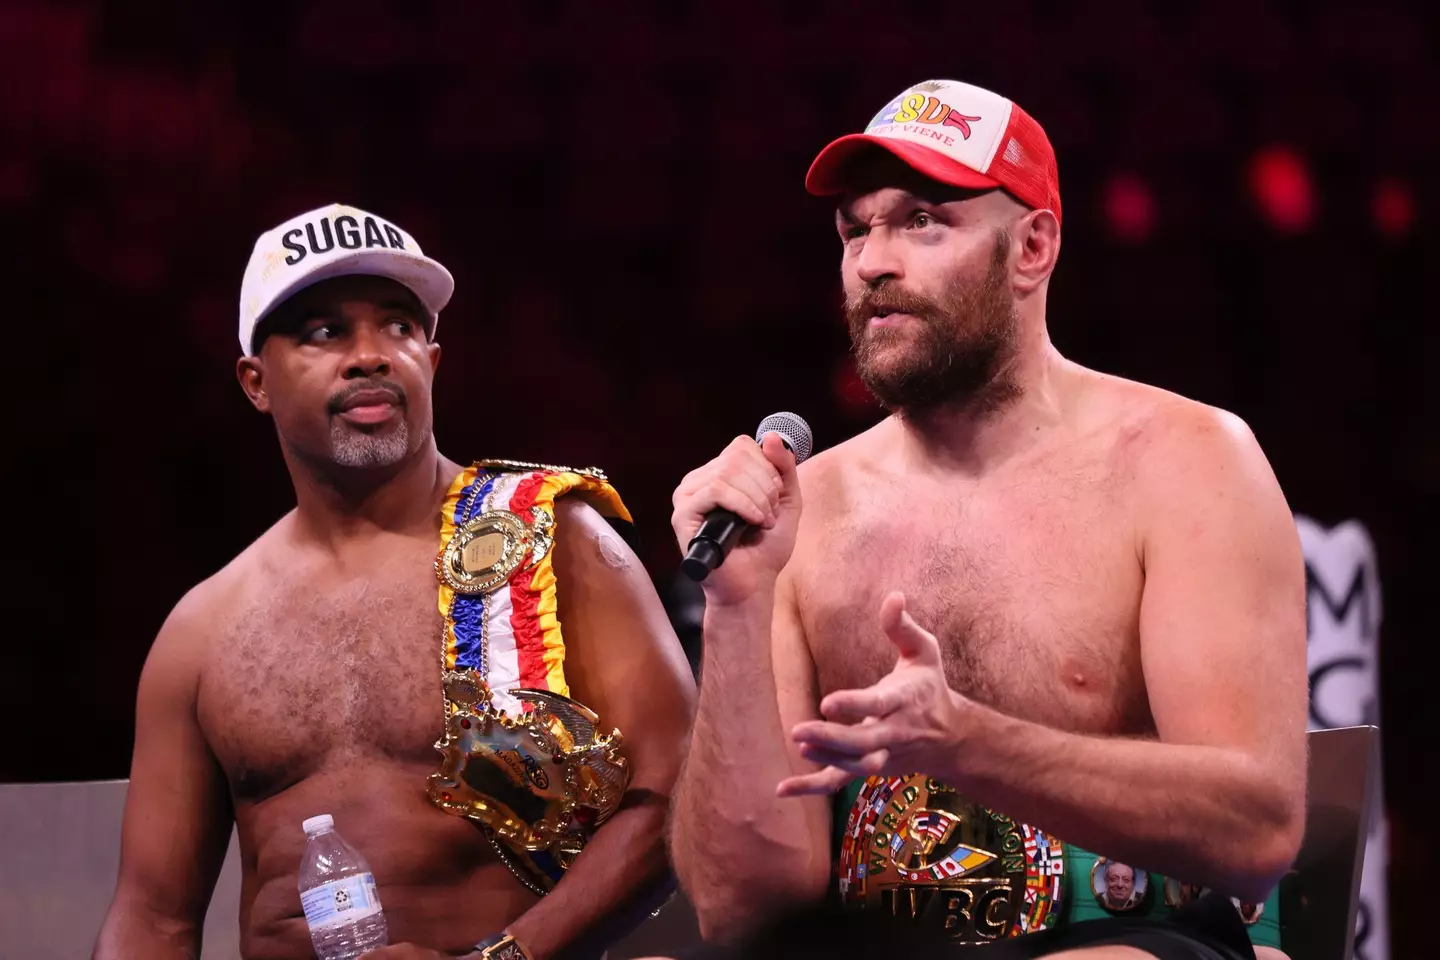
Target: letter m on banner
(1342, 612)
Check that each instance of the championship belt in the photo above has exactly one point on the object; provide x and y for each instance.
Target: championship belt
(520, 758)
(914, 848)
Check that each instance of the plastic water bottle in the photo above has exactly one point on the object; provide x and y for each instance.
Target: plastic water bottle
(337, 891)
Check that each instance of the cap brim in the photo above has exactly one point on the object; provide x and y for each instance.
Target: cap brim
(431, 283)
(830, 173)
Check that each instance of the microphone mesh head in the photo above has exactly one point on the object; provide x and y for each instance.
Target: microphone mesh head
(792, 428)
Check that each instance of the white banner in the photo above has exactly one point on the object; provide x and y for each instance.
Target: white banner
(1342, 604)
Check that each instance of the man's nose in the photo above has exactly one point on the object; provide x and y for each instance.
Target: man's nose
(370, 355)
(879, 259)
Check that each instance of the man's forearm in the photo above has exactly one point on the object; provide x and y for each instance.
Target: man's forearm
(728, 820)
(1205, 814)
(623, 863)
(133, 932)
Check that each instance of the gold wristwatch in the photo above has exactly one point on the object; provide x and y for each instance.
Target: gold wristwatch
(502, 946)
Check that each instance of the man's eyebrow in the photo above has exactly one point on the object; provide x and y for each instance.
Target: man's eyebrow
(906, 199)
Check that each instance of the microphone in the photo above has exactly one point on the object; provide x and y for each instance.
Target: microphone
(722, 529)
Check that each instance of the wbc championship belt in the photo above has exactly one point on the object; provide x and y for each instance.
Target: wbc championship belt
(918, 850)
(520, 757)
(914, 848)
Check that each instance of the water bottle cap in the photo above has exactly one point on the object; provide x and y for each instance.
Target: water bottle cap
(318, 824)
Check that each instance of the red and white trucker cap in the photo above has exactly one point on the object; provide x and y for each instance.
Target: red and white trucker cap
(955, 133)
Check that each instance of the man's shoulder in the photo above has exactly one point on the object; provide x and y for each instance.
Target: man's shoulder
(216, 598)
(1169, 448)
(1152, 426)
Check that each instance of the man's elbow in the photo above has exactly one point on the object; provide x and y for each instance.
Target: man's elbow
(732, 893)
(1269, 856)
(731, 909)
(132, 927)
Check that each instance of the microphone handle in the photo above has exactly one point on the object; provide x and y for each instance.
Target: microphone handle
(711, 543)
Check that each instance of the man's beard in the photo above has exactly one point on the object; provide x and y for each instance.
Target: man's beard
(360, 447)
(960, 355)
(351, 448)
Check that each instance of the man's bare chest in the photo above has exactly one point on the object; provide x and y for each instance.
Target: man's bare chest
(321, 672)
(1035, 602)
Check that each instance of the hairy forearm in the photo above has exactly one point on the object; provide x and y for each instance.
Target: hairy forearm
(735, 844)
(605, 892)
(1208, 815)
(130, 931)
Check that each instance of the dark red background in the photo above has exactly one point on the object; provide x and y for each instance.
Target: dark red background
(617, 189)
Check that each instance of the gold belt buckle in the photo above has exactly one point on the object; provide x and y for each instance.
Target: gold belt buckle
(541, 780)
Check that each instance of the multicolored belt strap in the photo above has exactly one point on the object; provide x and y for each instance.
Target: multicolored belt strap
(548, 776)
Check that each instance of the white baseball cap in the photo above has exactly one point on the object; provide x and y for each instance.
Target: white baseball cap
(335, 241)
(956, 133)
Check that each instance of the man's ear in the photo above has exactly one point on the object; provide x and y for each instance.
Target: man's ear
(250, 371)
(1038, 237)
(433, 349)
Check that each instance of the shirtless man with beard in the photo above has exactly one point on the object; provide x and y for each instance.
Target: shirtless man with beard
(318, 672)
(1037, 616)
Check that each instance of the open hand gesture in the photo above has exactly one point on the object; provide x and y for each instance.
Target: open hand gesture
(909, 722)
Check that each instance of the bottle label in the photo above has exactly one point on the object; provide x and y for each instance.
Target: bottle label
(340, 901)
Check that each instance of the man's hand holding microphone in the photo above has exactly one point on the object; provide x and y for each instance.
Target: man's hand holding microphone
(737, 515)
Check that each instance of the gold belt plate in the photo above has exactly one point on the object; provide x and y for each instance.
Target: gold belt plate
(486, 551)
(915, 848)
